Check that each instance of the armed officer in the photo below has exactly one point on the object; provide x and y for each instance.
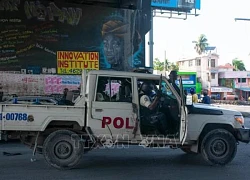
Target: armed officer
(172, 78)
(149, 108)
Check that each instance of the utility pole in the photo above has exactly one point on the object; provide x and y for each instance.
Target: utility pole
(165, 57)
(151, 41)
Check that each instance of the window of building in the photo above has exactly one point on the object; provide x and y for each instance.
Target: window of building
(212, 75)
(190, 63)
(197, 62)
(242, 80)
(114, 89)
(212, 62)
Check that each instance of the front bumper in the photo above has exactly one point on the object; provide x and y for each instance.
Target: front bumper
(243, 135)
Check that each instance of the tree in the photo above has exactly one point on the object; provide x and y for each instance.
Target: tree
(238, 65)
(201, 44)
(174, 66)
(159, 65)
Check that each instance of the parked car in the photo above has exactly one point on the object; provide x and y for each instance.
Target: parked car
(231, 97)
(32, 100)
(7, 97)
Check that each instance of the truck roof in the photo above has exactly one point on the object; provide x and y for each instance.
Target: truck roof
(122, 73)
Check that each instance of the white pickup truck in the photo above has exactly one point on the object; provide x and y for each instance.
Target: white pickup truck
(108, 113)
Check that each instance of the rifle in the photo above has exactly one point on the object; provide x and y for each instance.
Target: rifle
(160, 84)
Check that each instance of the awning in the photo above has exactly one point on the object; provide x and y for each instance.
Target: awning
(244, 89)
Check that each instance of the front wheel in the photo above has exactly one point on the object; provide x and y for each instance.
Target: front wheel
(63, 149)
(219, 147)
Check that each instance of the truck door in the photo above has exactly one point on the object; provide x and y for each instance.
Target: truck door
(112, 110)
(183, 112)
(1, 119)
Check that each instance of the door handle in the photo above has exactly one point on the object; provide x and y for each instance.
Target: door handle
(99, 110)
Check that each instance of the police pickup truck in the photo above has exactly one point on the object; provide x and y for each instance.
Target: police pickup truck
(108, 113)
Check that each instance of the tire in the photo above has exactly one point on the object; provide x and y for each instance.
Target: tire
(188, 151)
(222, 139)
(52, 149)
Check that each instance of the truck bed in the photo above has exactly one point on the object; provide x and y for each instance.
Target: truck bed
(20, 117)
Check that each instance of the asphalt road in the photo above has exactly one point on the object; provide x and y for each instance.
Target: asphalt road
(134, 163)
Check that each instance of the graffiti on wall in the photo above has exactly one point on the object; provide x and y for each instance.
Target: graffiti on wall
(55, 84)
(36, 9)
(9, 5)
(33, 32)
(30, 84)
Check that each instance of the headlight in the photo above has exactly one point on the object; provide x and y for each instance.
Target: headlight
(239, 119)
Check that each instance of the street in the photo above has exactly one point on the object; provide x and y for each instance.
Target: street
(128, 164)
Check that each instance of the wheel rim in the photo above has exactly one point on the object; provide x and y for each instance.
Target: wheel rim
(219, 148)
(63, 149)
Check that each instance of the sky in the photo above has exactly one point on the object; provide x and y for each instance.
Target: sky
(217, 21)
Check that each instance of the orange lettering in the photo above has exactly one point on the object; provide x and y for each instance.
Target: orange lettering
(62, 64)
(96, 66)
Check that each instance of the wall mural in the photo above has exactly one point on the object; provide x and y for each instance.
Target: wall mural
(33, 33)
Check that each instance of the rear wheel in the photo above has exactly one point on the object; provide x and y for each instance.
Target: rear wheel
(219, 147)
(63, 149)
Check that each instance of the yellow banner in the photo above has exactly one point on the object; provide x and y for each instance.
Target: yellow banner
(69, 62)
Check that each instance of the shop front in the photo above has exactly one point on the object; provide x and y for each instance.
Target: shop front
(243, 93)
(219, 93)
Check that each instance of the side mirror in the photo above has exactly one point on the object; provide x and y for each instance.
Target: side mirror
(189, 100)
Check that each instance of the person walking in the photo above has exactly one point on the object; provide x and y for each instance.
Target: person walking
(194, 95)
(206, 99)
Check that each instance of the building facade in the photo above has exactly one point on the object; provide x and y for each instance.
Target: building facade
(206, 68)
(239, 81)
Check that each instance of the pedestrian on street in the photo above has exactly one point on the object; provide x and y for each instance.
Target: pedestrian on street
(194, 95)
(206, 99)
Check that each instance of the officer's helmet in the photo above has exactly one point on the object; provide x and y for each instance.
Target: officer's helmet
(192, 91)
(147, 87)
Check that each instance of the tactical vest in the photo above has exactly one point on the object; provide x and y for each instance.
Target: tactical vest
(145, 112)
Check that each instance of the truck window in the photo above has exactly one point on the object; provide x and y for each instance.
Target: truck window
(114, 89)
(166, 90)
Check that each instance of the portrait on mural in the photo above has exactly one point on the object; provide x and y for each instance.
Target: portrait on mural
(119, 44)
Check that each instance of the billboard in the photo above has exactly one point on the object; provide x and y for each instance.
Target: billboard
(69, 62)
(188, 78)
(32, 32)
(179, 4)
